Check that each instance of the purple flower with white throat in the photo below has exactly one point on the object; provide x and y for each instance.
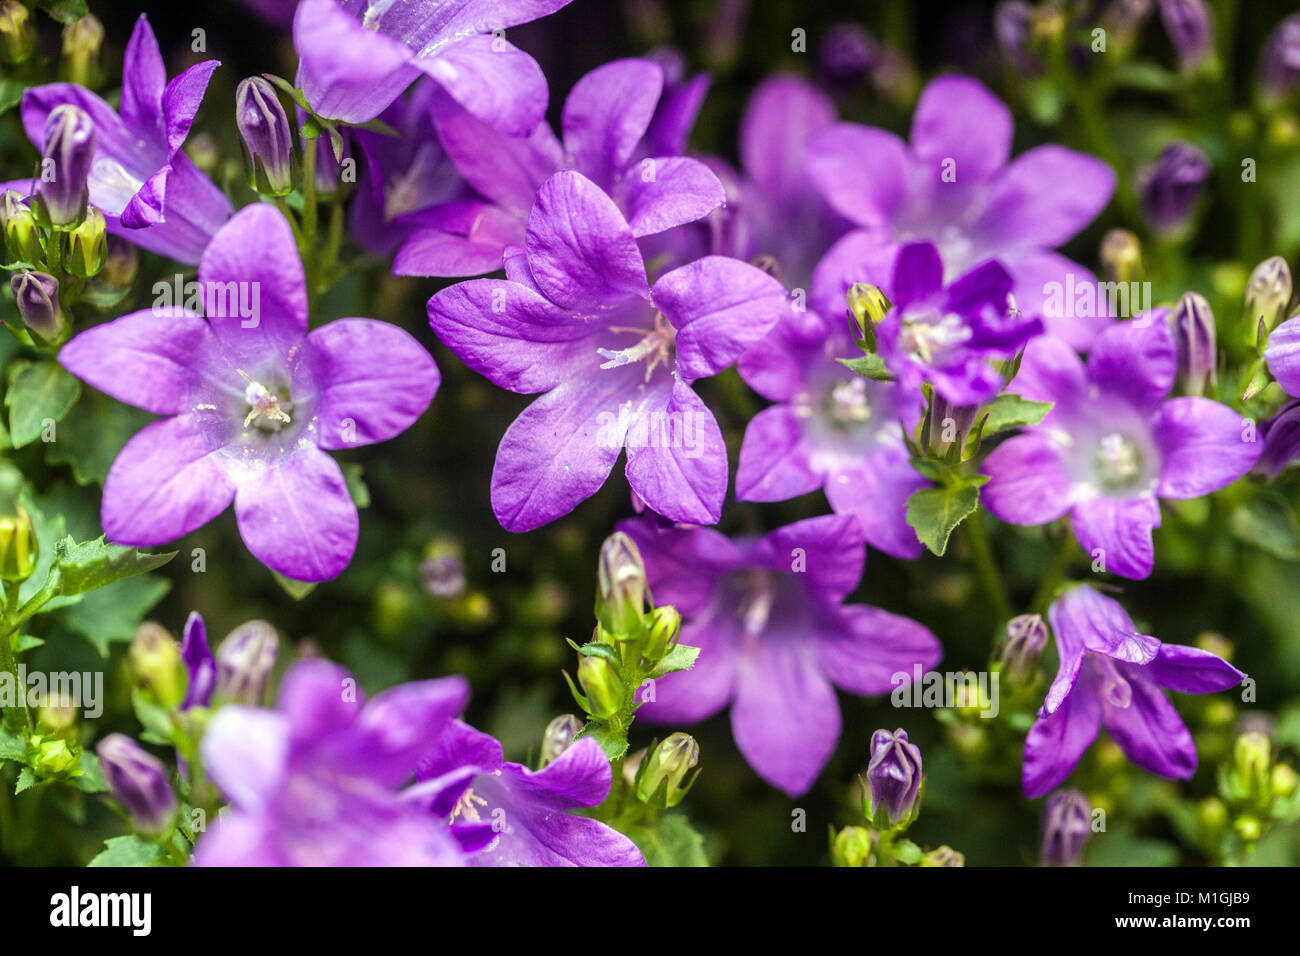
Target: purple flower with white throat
(253, 402)
(605, 124)
(1111, 674)
(831, 429)
(507, 815)
(577, 319)
(313, 783)
(955, 187)
(150, 192)
(948, 336)
(775, 638)
(357, 56)
(1112, 445)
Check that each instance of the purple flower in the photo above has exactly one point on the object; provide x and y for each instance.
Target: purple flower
(313, 783)
(1111, 674)
(1113, 446)
(954, 187)
(1067, 827)
(775, 637)
(357, 56)
(1190, 30)
(1279, 66)
(1282, 355)
(577, 319)
(138, 780)
(508, 815)
(1169, 189)
(894, 776)
(199, 663)
(148, 189)
(253, 403)
(1280, 436)
(69, 149)
(832, 429)
(605, 122)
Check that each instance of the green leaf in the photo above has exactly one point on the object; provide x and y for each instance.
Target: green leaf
(153, 718)
(90, 565)
(65, 11)
(294, 588)
(671, 842)
(115, 612)
(129, 851)
(936, 512)
(38, 392)
(1011, 411)
(26, 780)
(614, 745)
(92, 435)
(1267, 522)
(680, 658)
(11, 94)
(12, 745)
(869, 366)
(905, 851)
(357, 490)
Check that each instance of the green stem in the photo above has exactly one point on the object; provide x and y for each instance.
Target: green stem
(8, 659)
(986, 567)
(1055, 574)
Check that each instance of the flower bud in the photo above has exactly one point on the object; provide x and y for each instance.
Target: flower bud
(200, 665)
(1212, 815)
(602, 686)
(1248, 779)
(1194, 337)
(82, 41)
(665, 627)
(1169, 189)
(244, 660)
(121, 263)
(851, 847)
(88, 245)
(138, 780)
(659, 782)
(1067, 828)
(65, 164)
(1283, 782)
(268, 141)
(848, 53)
(1190, 30)
(37, 297)
(1024, 643)
(867, 306)
(1279, 67)
(559, 734)
(620, 574)
(944, 856)
(894, 776)
(1121, 255)
(1013, 22)
(57, 715)
(22, 234)
(947, 427)
(1268, 293)
(17, 36)
(157, 661)
(18, 546)
(54, 757)
(443, 575)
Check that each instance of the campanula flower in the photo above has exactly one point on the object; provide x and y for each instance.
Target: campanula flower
(138, 780)
(1282, 355)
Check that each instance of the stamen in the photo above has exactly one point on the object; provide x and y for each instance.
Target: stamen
(1118, 461)
(262, 403)
(465, 807)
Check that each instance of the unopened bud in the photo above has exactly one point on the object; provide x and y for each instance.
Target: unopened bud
(1067, 828)
(157, 661)
(17, 36)
(867, 306)
(602, 686)
(22, 234)
(1194, 337)
(1190, 30)
(851, 847)
(18, 546)
(88, 245)
(665, 626)
(947, 427)
(1268, 293)
(138, 780)
(943, 856)
(37, 297)
(268, 140)
(559, 734)
(894, 778)
(1121, 255)
(1169, 189)
(65, 164)
(54, 756)
(1249, 776)
(57, 715)
(1279, 67)
(82, 42)
(1283, 781)
(244, 660)
(121, 263)
(1026, 638)
(660, 779)
(620, 598)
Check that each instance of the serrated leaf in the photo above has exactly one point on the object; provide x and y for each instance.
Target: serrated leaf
(935, 512)
(680, 658)
(597, 649)
(869, 366)
(38, 392)
(671, 842)
(26, 780)
(129, 851)
(114, 613)
(86, 566)
(12, 745)
(1009, 411)
(614, 745)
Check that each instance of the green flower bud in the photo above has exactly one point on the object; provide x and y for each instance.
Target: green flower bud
(1248, 778)
(659, 782)
(1121, 255)
(1212, 814)
(18, 546)
(88, 245)
(620, 575)
(851, 847)
(22, 235)
(1268, 292)
(54, 757)
(944, 856)
(82, 41)
(17, 37)
(1248, 828)
(867, 306)
(602, 686)
(121, 263)
(557, 737)
(156, 658)
(665, 627)
(1283, 781)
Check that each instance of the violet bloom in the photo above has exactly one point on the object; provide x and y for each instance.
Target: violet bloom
(1169, 189)
(606, 118)
(1190, 30)
(948, 336)
(508, 815)
(1113, 446)
(138, 780)
(1110, 674)
(313, 783)
(253, 403)
(1282, 355)
(150, 192)
(1280, 436)
(954, 187)
(775, 636)
(577, 319)
(1279, 65)
(894, 776)
(357, 56)
(200, 665)
(831, 429)
(1067, 827)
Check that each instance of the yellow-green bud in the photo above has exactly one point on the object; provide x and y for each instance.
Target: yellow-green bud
(665, 626)
(851, 847)
(18, 545)
(1283, 781)
(620, 576)
(121, 264)
(1268, 292)
(57, 716)
(156, 657)
(867, 306)
(1213, 814)
(944, 856)
(22, 235)
(88, 245)
(54, 756)
(1121, 255)
(602, 686)
(1249, 829)
(82, 41)
(17, 37)
(659, 782)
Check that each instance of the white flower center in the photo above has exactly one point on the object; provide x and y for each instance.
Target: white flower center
(924, 338)
(1119, 462)
(655, 347)
(265, 409)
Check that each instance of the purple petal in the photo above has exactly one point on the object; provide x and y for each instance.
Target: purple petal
(182, 99)
(774, 366)
(868, 648)
(958, 118)
(682, 564)
(775, 462)
(320, 699)
(297, 517)
(114, 142)
(493, 80)
(918, 273)
(1151, 733)
(431, 252)
(579, 777)
(1027, 206)
(145, 208)
(1282, 354)
(1028, 483)
(860, 171)
(1084, 618)
(1121, 528)
(679, 191)
(1190, 670)
(245, 751)
(1034, 272)
(690, 696)
(376, 380)
(347, 72)
(607, 113)
(676, 458)
(1056, 743)
(1136, 359)
(1203, 446)
(199, 663)
(782, 115)
(826, 554)
(143, 78)
(194, 211)
(875, 492)
(1051, 372)
(581, 251)
(675, 116)
(720, 307)
(165, 483)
